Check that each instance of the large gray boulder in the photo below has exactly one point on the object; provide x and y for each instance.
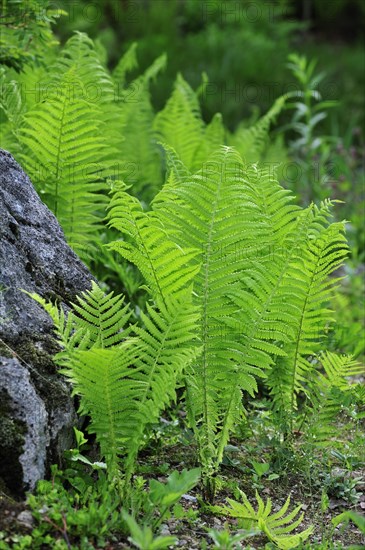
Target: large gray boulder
(36, 410)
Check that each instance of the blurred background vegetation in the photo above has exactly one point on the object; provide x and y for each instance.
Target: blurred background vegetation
(241, 45)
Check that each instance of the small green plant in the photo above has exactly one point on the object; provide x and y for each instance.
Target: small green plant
(311, 150)
(352, 516)
(76, 454)
(79, 510)
(89, 513)
(277, 527)
(343, 487)
(164, 496)
(225, 540)
(143, 537)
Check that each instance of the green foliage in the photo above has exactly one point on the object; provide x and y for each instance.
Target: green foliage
(231, 235)
(257, 251)
(336, 380)
(227, 541)
(310, 149)
(277, 527)
(139, 149)
(161, 496)
(143, 538)
(358, 520)
(180, 126)
(326, 250)
(26, 31)
(163, 264)
(125, 381)
(231, 285)
(89, 516)
(252, 141)
(77, 510)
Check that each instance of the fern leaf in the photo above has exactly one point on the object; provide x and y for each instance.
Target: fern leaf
(127, 63)
(125, 387)
(124, 381)
(141, 165)
(251, 142)
(321, 253)
(102, 317)
(332, 392)
(269, 524)
(180, 125)
(211, 212)
(166, 267)
(63, 139)
(93, 84)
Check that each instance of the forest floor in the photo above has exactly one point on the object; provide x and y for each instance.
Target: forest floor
(192, 519)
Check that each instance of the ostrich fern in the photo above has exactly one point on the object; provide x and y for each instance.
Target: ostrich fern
(264, 263)
(124, 377)
(237, 276)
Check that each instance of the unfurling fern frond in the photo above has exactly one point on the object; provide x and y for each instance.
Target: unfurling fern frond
(277, 527)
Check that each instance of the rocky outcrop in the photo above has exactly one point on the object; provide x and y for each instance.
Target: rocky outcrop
(36, 410)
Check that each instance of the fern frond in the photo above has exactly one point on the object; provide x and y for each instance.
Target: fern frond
(277, 527)
(166, 267)
(217, 212)
(125, 381)
(180, 125)
(338, 370)
(102, 317)
(332, 392)
(127, 63)
(125, 387)
(141, 166)
(175, 168)
(323, 251)
(251, 142)
(62, 139)
(93, 84)
(214, 136)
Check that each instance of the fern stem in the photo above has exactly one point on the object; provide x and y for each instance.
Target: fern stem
(59, 141)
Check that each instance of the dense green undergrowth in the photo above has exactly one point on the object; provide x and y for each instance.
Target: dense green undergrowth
(220, 330)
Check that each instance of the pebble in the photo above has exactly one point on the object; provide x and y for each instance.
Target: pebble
(25, 519)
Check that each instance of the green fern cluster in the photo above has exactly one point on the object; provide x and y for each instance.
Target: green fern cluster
(237, 277)
(260, 268)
